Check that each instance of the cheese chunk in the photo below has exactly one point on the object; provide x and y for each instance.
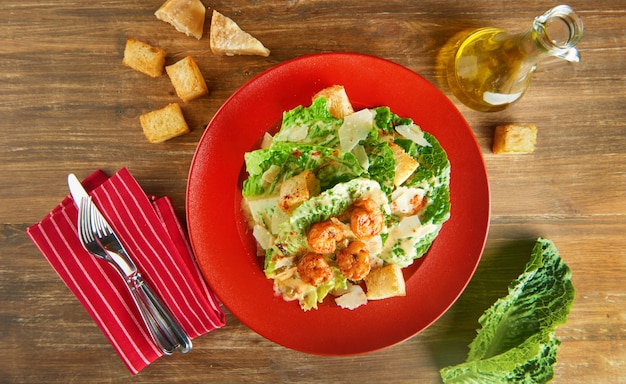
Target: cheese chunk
(187, 16)
(353, 298)
(227, 39)
(414, 133)
(355, 128)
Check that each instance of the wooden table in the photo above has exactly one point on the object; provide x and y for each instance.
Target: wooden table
(67, 104)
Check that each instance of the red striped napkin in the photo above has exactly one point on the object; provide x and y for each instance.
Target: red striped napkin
(153, 236)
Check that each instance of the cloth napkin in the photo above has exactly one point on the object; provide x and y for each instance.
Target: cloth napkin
(156, 241)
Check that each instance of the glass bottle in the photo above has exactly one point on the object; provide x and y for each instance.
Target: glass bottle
(489, 68)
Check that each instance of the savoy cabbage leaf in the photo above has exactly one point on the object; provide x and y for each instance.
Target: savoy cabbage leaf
(517, 341)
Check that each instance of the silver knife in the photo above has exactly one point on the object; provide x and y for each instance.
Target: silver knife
(167, 334)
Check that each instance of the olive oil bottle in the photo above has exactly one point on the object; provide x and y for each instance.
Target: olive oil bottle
(489, 69)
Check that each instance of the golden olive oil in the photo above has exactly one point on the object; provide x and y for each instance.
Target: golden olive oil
(489, 70)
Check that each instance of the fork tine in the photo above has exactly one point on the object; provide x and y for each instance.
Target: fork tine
(83, 222)
(99, 225)
(85, 233)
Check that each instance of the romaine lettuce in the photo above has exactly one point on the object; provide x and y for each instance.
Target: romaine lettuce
(434, 173)
(330, 166)
(382, 165)
(517, 342)
(310, 125)
(387, 120)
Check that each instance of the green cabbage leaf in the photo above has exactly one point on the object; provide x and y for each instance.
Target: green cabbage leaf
(517, 342)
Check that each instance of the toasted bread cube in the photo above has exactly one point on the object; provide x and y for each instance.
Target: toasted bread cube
(227, 39)
(515, 138)
(187, 79)
(298, 189)
(144, 58)
(164, 124)
(385, 282)
(405, 164)
(338, 103)
(187, 16)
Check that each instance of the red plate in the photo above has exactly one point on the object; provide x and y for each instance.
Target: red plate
(225, 248)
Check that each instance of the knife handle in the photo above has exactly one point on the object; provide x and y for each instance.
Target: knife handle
(162, 326)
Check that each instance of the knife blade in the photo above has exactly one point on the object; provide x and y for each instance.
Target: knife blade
(117, 254)
(76, 189)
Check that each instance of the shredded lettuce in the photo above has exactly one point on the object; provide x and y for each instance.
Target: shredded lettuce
(517, 342)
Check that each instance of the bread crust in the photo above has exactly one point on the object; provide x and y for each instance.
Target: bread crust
(514, 138)
(385, 282)
(338, 102)
(405, 164)
(164, 124)
(187, 79)
(144, 58)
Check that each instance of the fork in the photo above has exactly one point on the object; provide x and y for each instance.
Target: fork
(98, 239)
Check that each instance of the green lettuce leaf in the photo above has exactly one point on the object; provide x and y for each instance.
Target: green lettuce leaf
(517, 341)
(433, 172)
(310, 125)
(329, 166)
(382, 164)
(387, 120)
(319, 294)
(292, 238)
(530, 362)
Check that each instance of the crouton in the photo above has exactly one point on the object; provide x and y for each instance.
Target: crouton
(405, 164)
(164, 124)
(297, 189)
(144, 58)
(514, 138)
(187, 16)
(227, 39)
(385, 282)
(338, 103)
(187, 79)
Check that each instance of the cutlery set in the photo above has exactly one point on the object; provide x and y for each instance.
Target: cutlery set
(99, 239)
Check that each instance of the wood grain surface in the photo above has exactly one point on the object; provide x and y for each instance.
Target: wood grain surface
(67, 104)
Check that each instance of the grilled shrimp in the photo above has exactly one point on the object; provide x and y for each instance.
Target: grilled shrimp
(354, 261)
(366, 219)
(323, 237)
(314, 269)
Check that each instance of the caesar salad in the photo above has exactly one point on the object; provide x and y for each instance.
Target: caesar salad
(340, 201)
